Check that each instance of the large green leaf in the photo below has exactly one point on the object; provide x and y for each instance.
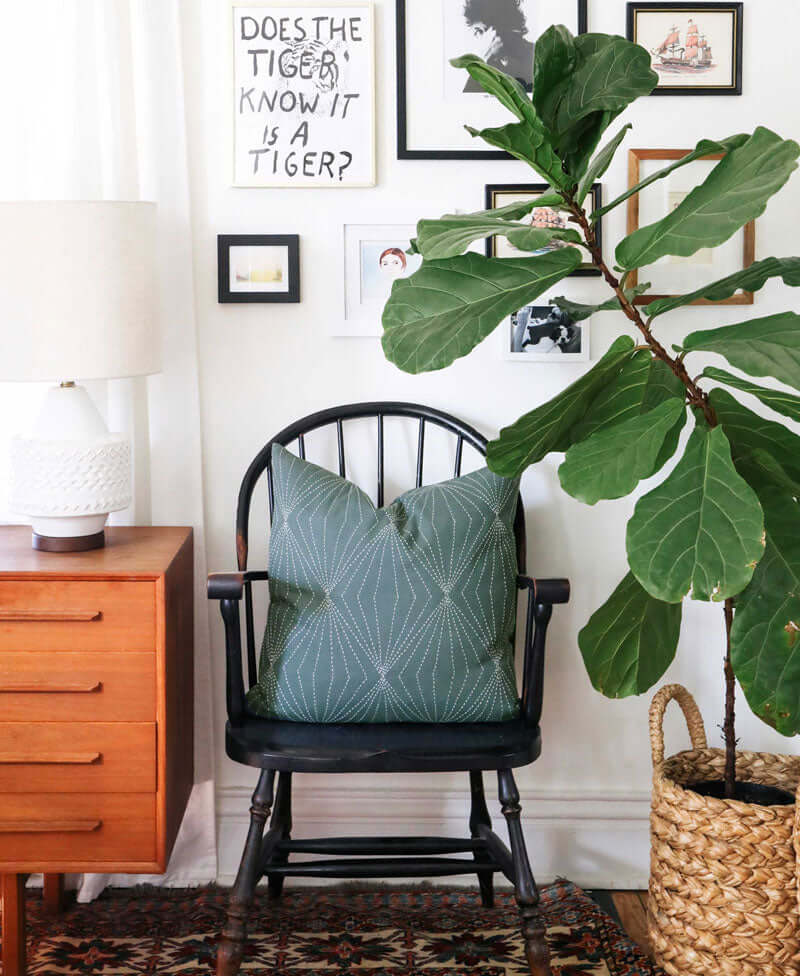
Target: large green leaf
(453, 233)
(600, 164)
(530, 143)
(750, 279)
(612, 462)
(705, 147)
(761, 347)
(554, 58)
(612, 73)
(751, 436)
(528, 139)
(765, 650)
(735, 192)
(578, 311)
(778, 400)
(505, 88)
(642, 384)
(629, 643)
(547, 428)
(446, 308)
(701, 530)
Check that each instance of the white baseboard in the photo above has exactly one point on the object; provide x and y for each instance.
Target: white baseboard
(596, 840)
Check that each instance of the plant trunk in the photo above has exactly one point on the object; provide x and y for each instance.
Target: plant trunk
(730, 709)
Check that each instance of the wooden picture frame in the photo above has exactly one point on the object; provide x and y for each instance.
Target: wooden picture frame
(635, 157)
(683, 10)
(404, 149)
(495, 191)
(258, 285)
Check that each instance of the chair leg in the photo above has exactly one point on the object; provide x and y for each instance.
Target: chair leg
(525, 890)
(479, 816)
(282, 821)
(234, 934)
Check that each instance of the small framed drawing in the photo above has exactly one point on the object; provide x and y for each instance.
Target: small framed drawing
(674, 275)
(303, 93)
(696, 48)
(258, 268)
(374, 258)
(503, 194)
(545, 334)
(434, 99)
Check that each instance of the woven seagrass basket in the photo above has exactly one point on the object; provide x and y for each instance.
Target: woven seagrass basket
(723, 874)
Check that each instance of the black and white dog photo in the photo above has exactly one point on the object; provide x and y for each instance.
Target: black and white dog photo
(546, 331)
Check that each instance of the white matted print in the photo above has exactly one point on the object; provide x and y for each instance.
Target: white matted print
(304, 94)
(437, 99)
(258, 268)
(545, 334)
(374, 258)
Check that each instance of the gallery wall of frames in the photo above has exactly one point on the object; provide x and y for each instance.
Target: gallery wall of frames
(312, 169)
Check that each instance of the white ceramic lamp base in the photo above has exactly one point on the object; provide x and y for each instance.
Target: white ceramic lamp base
(69, 473)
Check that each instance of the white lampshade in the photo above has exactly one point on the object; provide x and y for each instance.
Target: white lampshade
(77, 290)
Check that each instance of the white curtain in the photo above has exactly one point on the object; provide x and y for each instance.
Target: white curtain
(92, 107)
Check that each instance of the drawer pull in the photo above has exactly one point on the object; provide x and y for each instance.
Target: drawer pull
(55, 759)
(35, 687)
(49, 826)
(51, 616)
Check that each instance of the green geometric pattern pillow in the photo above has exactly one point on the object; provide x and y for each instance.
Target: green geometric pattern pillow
(398, 614)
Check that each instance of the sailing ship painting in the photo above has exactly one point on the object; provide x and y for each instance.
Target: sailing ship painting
(684, 51)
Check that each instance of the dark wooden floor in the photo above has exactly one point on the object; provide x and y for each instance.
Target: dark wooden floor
(631, 909)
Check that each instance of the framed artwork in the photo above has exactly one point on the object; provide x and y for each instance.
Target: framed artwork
(674, 275)
(434, 99)
(303, 93)
(545, 334)
(258, 268)
(502, 194)
(374, 258)
(696, 48)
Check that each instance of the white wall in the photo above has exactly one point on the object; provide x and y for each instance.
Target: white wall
(262, 366)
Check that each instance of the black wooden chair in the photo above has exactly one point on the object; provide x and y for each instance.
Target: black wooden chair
(292, 747)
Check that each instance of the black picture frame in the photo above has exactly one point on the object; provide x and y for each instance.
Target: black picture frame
(226, 241)
(492, 189)
(403, 152)
(737, 40)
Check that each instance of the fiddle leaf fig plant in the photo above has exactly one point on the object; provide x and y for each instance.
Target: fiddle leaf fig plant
(723, 523)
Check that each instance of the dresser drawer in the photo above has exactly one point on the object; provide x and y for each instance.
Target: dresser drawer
(77, 831)
(77, 615)
(66, 686)
(67, 757)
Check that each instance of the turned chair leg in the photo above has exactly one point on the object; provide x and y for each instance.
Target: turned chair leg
(234, 934)
(479, 817)
(282, 822)
(525, 891)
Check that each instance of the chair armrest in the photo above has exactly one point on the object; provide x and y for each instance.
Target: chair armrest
(542, 594)
(228, 589)
(545, 590)
(229, 586)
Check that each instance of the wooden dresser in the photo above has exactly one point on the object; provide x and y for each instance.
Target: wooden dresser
(96, 713)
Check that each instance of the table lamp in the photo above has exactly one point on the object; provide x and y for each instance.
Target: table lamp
(77, 302)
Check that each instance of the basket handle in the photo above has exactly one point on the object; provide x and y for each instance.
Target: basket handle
(662, 698)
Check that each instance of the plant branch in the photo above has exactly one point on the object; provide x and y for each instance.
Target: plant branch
(730, 709)
(694, 395)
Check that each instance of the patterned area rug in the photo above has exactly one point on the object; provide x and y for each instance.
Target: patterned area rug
(423, 931)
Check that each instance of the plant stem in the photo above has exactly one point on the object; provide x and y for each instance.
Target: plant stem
(697, 398)
(730, 709)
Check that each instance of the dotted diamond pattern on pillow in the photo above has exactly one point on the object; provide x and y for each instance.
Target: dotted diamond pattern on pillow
(399, 614)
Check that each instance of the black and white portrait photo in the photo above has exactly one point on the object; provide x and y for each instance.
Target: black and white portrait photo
(434, 99)
(545, 333)
(500, 32)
